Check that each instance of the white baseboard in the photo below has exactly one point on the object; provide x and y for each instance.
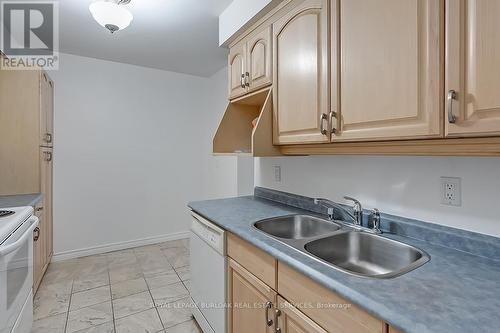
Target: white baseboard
(99, 249)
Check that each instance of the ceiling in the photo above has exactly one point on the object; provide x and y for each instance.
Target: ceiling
(173, 35)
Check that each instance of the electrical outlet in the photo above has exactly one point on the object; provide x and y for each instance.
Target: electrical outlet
(451, 191)
(277, 173)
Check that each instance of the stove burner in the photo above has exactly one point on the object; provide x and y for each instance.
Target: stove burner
(4, 213)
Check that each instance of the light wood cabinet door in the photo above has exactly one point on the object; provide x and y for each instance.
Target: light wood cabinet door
(252, 302)
(300, 74)
(259, 60)
(46, 111)
(291, 320)
(237, 69)
(473, 67)
(389, 67)
(46, 188)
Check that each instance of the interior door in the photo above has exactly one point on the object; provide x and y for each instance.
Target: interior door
(237, 69)
(389, 68)
(252, 303)
(259, 59)
(300, 74)
(472, 68)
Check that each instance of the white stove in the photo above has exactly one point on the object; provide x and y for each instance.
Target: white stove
(16, 269)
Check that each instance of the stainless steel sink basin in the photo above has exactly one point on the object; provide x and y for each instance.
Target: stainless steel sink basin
(296, 226)
(367, 255)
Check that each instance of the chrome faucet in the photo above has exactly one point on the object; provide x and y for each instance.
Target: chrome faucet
(330, 205)
(357, 209)
(356, 219)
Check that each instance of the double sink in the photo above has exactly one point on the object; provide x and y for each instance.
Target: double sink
(353, 251)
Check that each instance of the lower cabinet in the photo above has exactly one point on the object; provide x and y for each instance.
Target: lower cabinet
(295, 303)
(40, 261)
(291, 320)
(251, 302)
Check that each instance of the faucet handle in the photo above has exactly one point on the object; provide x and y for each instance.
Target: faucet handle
(375, 217)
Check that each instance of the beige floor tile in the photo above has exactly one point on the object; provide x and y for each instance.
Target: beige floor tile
(90, 297)
(88, 317)
(132, 304)
(63, 271)
(61, 287)
(162, 280)
(103, 328)
(177, 256)
(145, 322)
(187, 327)
(49, 303)
(168, 294)
(127, 288)
(90, 281)
(184, 272)
(124, 273)
(175, 313)
(121, 258)
(175, 243)
(187, 284)
(54, 324)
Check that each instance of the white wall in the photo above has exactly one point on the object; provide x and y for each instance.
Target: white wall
(404, 186)
(219, 173)
(132, 147)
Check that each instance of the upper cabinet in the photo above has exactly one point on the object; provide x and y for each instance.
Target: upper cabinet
(405, 77)
(386, 60)
(259, 60)
(300, 76)
(472, 68)
(250, 63)
(237, 69)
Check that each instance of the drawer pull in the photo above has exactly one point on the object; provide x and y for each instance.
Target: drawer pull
(36, 234)
(269, 305)
(322, 119)
(451, 96)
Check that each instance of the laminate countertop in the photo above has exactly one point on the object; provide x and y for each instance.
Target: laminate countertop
(454, 292)
(20, 200)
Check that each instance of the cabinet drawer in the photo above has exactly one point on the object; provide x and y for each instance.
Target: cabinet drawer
(256, 261)
(335, 313)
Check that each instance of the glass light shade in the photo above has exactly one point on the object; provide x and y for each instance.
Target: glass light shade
(110, 14)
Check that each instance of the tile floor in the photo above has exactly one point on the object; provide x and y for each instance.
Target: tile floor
(145, 289)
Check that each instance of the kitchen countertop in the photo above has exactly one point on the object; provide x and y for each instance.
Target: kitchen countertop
(20, 200)
(454, 292)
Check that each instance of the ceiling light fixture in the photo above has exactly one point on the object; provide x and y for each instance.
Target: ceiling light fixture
(111, 14)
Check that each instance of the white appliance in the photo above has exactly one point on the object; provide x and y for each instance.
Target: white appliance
(16, 269)
(208, 274)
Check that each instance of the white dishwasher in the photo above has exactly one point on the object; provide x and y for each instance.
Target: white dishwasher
(208, 274)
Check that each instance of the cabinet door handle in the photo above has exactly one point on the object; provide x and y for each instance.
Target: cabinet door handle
(48, 137)
(247, 79)
(451, 96)
(48, 156)
(269, 305)
(242, 81)
(322, 119)
(333, 119)
(277, 329)
(36, 234)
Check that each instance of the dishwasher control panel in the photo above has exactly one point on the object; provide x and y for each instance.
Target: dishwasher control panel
(209, 233)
